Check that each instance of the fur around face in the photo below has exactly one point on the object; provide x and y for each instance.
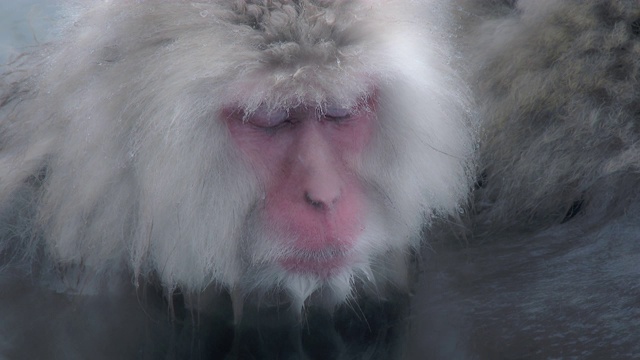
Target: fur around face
(113, 157)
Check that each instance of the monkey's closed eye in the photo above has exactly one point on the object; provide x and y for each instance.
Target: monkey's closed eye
(337, 113)
(268, 119)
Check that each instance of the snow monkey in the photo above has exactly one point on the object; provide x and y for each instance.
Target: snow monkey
(550, 269)
(295, 147)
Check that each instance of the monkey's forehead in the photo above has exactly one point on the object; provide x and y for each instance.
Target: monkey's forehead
(283, 52)
(314, 52)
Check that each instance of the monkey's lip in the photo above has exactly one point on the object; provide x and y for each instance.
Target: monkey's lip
(322, 267)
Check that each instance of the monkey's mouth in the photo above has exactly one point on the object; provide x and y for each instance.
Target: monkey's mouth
(321, 266)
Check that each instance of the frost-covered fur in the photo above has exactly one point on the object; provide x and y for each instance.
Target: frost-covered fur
(113, 158)
(557, 82)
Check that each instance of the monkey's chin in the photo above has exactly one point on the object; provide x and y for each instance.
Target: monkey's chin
(321, 268)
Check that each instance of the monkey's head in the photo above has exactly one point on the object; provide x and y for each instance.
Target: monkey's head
(259, 145)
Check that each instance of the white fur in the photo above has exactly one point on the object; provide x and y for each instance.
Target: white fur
(140, 173)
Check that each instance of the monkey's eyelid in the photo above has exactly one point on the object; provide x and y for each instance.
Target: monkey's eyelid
(268, 119)
(337, 113)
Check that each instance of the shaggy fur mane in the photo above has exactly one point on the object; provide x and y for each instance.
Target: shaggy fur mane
(132, 169)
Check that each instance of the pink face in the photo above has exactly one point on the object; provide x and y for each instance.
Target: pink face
(307, 160)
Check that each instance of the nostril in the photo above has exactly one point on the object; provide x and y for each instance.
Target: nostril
(318, 204)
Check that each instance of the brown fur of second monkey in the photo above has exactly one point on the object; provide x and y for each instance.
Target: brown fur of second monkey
(557, 85)
(548, 267)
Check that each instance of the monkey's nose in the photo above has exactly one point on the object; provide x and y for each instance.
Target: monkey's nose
(323, 196)
(319, 179)
(316, 168)
(322, 201)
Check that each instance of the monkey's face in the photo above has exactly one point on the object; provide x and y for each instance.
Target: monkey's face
(306, 160)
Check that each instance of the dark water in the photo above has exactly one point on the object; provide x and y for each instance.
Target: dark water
(38, 323)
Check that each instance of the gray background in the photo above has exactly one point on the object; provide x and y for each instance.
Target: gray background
(24, 23)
